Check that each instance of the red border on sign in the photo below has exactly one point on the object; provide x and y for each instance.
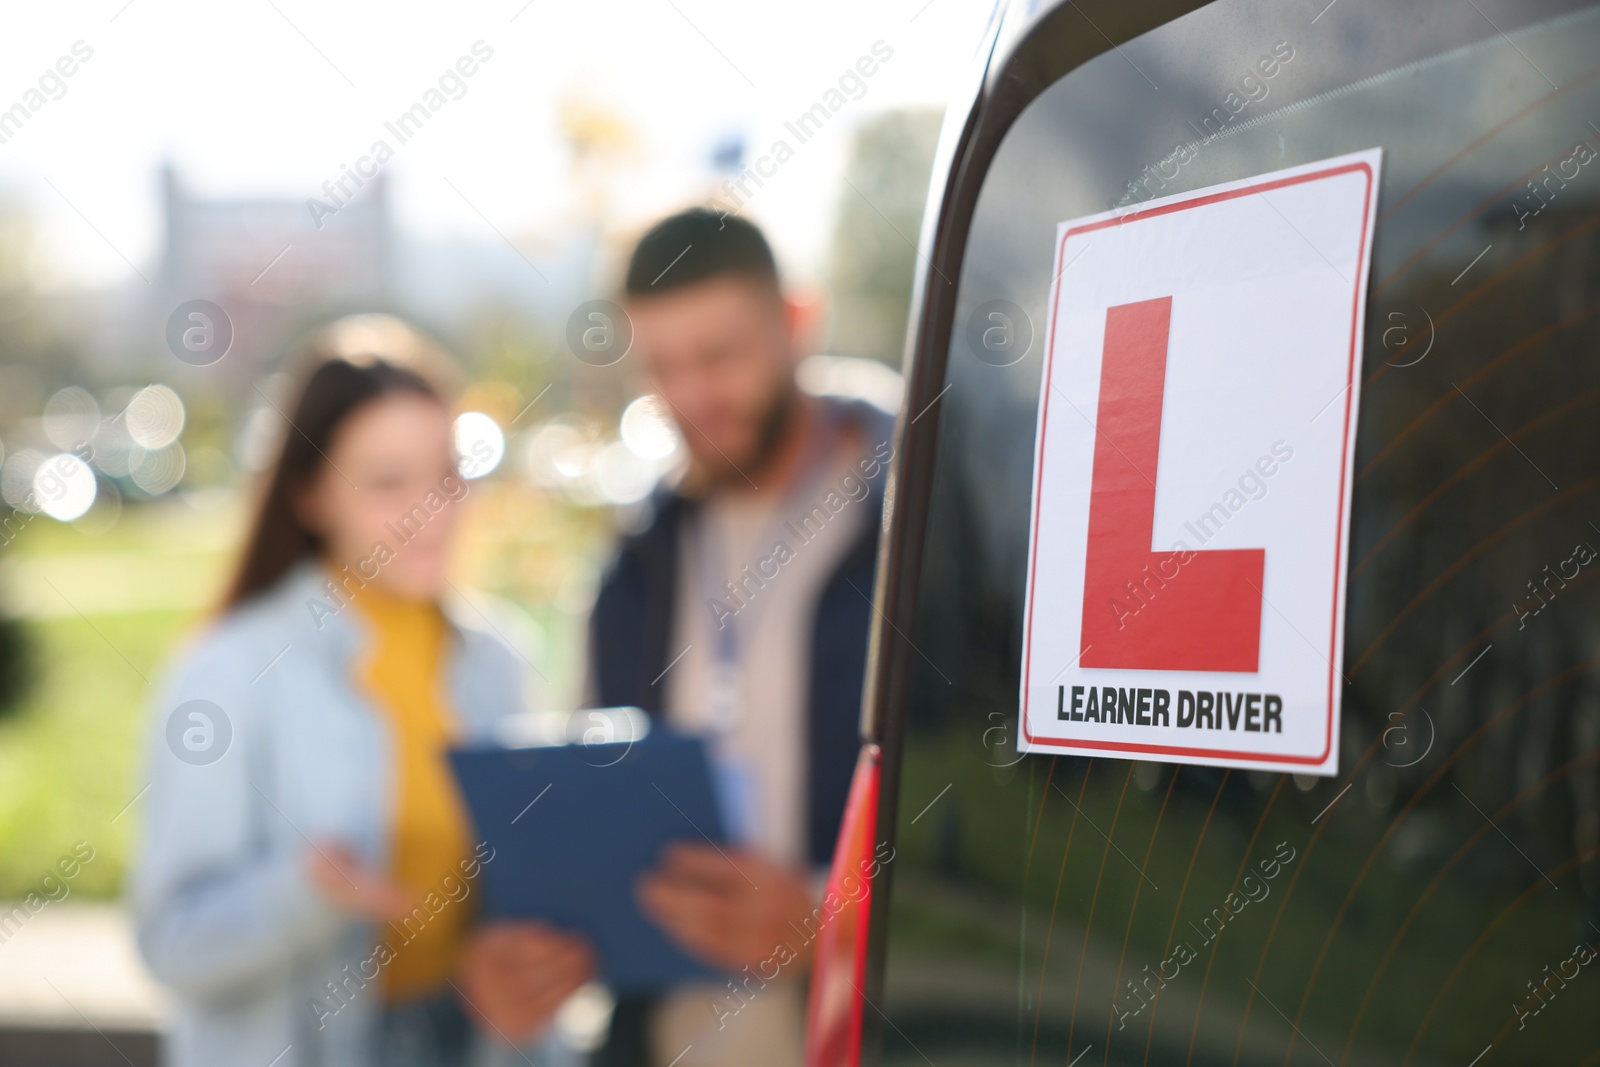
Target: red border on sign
(1344, 452)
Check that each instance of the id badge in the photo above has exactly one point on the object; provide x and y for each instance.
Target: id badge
(735, 783)
(735, 778)
(723, 695)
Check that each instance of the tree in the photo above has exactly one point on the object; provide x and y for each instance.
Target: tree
(873, 255)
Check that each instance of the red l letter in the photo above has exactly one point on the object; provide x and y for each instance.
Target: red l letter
(1145, 610)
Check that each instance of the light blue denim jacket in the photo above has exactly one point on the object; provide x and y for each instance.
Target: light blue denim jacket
(227, 918)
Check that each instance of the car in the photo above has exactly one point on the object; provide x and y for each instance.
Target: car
(1437, 899)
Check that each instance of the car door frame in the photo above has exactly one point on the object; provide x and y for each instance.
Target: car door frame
(1028, 51)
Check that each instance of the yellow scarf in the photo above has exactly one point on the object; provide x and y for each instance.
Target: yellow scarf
(404, 676)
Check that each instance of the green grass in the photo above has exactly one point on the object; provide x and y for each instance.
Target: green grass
(70, 758)
(101, 614)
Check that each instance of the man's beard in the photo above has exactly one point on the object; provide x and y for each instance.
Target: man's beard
(775, 424)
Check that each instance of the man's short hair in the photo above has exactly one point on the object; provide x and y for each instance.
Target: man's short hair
(694, 246)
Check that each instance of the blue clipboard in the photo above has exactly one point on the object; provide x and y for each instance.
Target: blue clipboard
(574, 826)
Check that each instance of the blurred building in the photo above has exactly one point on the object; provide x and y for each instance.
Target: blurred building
(272, 264)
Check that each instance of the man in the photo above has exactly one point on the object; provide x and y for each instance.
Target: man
(740, 613)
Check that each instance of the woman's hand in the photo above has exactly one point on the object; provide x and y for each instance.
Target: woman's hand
(339, 875)
(514, 975)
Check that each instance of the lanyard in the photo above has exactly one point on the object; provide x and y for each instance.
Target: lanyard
(730, 635)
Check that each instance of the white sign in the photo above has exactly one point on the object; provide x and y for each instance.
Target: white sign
(1191, 498)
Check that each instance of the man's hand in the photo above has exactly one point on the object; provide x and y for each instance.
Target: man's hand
(514, 975)
(728, 908)
(340, 876)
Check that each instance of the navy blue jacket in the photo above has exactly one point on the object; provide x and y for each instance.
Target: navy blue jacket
(631, 628)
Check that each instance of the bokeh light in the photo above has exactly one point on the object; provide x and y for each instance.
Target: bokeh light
(621, 476)
(154, 417)
(113, 448)
(480, 444)
(71, 417)
(16, 479)
(158, 470)
(64, 487)
(648, 430)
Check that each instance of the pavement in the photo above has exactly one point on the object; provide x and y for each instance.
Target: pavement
(73, 992)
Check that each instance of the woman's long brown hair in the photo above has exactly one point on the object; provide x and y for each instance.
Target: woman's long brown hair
(353, 362)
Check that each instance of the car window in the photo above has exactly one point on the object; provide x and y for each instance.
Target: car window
(1438, 900)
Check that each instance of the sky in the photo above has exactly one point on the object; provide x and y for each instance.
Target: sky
(276, 97)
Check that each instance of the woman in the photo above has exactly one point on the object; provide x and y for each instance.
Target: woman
(308, 879)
